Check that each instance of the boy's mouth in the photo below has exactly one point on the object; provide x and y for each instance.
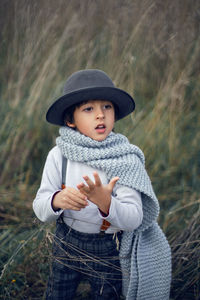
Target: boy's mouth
(100, 128)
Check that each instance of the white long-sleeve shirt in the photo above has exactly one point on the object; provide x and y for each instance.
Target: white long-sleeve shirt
(125, 211)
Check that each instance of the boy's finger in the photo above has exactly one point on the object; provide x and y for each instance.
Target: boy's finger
(76, 197)
(78, 202)
(76, 206)
(97, 179)
(74, 193)
(113, 182)
(83, 188)
(89, 182)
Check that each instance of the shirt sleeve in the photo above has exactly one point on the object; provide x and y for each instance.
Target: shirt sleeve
(125, 211)
(50, 184)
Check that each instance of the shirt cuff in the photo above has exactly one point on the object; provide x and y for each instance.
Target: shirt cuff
(57, 211)
(104, 214)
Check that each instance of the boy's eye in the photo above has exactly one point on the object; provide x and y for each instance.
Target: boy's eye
(108, 106)
(89, 108)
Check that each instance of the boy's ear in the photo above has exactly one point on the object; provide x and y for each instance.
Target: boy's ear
(72, 125)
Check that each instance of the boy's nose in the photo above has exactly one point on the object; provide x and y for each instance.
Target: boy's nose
(100, 114)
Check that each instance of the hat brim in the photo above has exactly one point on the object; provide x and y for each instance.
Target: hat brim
(121, 99)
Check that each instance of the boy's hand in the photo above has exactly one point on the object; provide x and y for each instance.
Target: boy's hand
(69, 198)
(97, 192)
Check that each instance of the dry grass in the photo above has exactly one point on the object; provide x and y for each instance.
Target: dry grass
(152, 50)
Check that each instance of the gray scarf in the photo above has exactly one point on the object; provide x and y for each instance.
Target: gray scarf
(144, 253)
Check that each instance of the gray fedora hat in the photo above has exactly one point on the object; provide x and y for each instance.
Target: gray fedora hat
(86, 85)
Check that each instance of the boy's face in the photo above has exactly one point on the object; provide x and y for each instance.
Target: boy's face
(94, 119)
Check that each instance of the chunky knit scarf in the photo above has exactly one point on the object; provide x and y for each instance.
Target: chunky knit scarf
(144, 253)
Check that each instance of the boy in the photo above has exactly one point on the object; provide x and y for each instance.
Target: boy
(107, 205)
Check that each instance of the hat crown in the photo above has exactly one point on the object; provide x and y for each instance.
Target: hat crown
(87, 79)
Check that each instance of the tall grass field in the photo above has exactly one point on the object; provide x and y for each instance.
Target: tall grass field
(151, 49)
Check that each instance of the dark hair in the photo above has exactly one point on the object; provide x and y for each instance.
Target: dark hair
(69, 113)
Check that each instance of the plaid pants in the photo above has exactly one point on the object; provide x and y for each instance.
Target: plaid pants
(78, 256)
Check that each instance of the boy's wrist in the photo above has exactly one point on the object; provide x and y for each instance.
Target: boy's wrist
(104, 208)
